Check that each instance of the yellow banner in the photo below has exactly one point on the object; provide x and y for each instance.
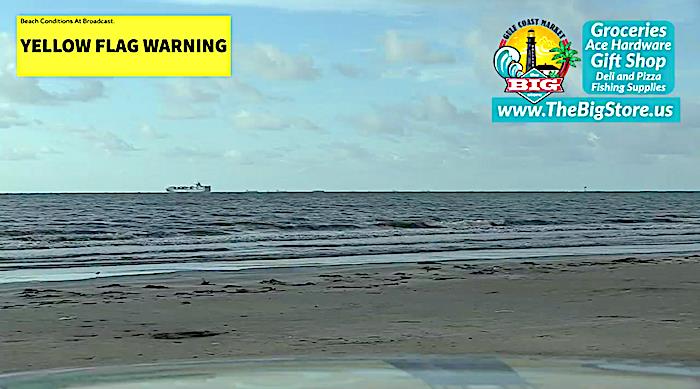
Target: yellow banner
(114, 46)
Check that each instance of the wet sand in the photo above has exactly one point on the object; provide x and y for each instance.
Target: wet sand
(643, 307)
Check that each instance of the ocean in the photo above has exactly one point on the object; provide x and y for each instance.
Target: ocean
(76, 236)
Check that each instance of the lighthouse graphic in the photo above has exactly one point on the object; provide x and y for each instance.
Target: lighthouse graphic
(531, 55)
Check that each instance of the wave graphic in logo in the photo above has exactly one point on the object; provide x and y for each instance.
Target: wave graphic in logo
(507, 62)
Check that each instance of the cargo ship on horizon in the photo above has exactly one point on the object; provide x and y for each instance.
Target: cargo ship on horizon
(198, 188)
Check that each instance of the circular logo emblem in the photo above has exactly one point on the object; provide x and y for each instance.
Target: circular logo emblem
(533, 58)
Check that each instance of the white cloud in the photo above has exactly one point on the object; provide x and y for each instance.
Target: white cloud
(103, 140)
(348, 70)
(380, 123)
(108, 142)
(24, 154)
(150, 132)
(436, 108)
(9, 117)
(344, 150)
(592, 138)
(271, 63)
(258, 157)
(399, 49)
(48, 150)
(17, 154)
(25, 90)
(191, 153)
(182, 111)
(232, 154)
(190, 90)
(183, 99)
(434, 113)
(385, 6)
(197, 98)
(447, 74)
(682, 10)
(245, 91)
(187, 98)
(14, 89)
(246, 120)
(208, 90)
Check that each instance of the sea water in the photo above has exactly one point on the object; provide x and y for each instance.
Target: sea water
(76, 236)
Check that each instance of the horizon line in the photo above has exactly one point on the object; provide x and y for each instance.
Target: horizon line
(368, 191)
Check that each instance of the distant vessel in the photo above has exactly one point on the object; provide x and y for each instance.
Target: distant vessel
(198, 188)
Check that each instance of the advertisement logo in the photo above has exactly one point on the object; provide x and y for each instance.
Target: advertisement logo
(533, 58)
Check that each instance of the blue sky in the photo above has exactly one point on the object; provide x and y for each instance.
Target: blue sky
(337, 95)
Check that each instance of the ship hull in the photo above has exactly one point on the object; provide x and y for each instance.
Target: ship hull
(205, 189)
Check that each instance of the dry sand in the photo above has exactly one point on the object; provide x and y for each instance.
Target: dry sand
(642, 307)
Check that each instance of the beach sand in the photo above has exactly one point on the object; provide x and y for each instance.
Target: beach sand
(643, 307)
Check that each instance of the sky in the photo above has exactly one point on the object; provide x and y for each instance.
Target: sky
(338, 95)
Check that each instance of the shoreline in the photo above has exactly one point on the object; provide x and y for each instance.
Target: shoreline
(642, 307)
(79, 273)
